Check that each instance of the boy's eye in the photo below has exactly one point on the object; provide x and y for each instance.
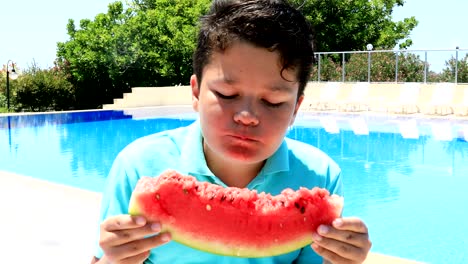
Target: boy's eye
(273, 105)
(222, 96)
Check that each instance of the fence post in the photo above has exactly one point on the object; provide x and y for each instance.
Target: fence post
(369, 48)
(343, 72)
(425, 67)
(368, 66)
(318, 71)
(396, 66)
(456, 65)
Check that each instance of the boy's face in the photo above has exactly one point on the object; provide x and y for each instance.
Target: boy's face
(244, 103)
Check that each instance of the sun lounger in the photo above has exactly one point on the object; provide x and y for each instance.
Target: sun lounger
(357, 99)
(327, 98)
(441, 100)
(407, 102)
(461, 108)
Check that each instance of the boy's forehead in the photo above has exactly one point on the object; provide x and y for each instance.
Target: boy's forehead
(219, 55)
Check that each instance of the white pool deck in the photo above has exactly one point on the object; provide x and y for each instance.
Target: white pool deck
(44, 222)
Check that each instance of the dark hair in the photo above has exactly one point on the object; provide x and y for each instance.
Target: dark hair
(271, 24)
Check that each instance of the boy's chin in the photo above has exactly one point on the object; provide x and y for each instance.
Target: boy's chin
(246, 157)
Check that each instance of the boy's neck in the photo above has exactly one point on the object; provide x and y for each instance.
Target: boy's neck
(234, 174)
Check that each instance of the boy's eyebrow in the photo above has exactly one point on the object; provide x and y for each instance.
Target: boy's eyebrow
(273, 88)
(280, 88)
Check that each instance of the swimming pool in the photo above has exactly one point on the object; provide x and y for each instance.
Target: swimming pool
(406, 177)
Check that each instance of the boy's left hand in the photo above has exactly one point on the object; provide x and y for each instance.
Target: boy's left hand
(346, 241)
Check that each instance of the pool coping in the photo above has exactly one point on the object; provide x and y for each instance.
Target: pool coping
(53, 222)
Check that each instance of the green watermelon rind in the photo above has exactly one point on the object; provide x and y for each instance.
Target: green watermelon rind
(245, 252)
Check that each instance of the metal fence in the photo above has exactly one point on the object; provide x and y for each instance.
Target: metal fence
(435, 63)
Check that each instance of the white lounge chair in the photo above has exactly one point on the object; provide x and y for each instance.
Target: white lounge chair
(461, 108)
(357, 99)
(327, 98)
(441, 100)
(407, 102)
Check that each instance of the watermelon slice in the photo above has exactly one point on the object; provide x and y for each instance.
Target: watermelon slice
(233, 221)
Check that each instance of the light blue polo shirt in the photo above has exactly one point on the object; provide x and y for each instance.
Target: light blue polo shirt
(293, 165)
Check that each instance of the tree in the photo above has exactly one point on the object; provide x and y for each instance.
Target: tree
(448, 73)
(148, 44)
(349, 25)
(43, 89)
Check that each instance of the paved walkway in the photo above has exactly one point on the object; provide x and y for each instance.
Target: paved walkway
(43, 222)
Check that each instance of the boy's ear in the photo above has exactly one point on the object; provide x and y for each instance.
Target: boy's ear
(195, 92)
(296, 109)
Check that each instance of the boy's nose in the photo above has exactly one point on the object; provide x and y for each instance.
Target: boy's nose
(246, 117)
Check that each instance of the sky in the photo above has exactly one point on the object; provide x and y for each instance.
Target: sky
(31, 29)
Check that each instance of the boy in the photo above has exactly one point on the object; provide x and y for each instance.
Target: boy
(251, 66)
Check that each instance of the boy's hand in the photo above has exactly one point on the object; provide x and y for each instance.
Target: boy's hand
(346, 241)
(128, 239)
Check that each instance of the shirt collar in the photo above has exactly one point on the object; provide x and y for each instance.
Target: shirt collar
(279, 161)
(192, 156)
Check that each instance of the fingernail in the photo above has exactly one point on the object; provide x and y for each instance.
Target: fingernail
(316, 247)
(165, 237)
(322, 230)
(316, 237)
(156, 227)
(338, 222)
(140, 221)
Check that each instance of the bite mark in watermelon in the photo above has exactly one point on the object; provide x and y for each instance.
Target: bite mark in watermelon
(233, 221)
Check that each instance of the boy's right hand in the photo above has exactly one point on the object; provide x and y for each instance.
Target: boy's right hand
(128, 239)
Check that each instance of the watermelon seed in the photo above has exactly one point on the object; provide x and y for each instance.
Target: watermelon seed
(157, 196)
(297, 205)
(302, 209)
(208, 207)
(223, 198)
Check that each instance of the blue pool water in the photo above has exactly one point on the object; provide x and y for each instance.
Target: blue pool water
(407, 178)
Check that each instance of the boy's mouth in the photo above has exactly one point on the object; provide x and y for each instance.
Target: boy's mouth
(243, 137)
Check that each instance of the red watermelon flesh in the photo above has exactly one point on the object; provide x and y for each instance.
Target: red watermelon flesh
(233, 221)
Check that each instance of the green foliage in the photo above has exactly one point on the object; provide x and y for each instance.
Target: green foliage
(42, 90)
(410, 68)
(329, 70)
(349, 25)
(3, 90)
(383, 67)
(448, 73)
(148, 44)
